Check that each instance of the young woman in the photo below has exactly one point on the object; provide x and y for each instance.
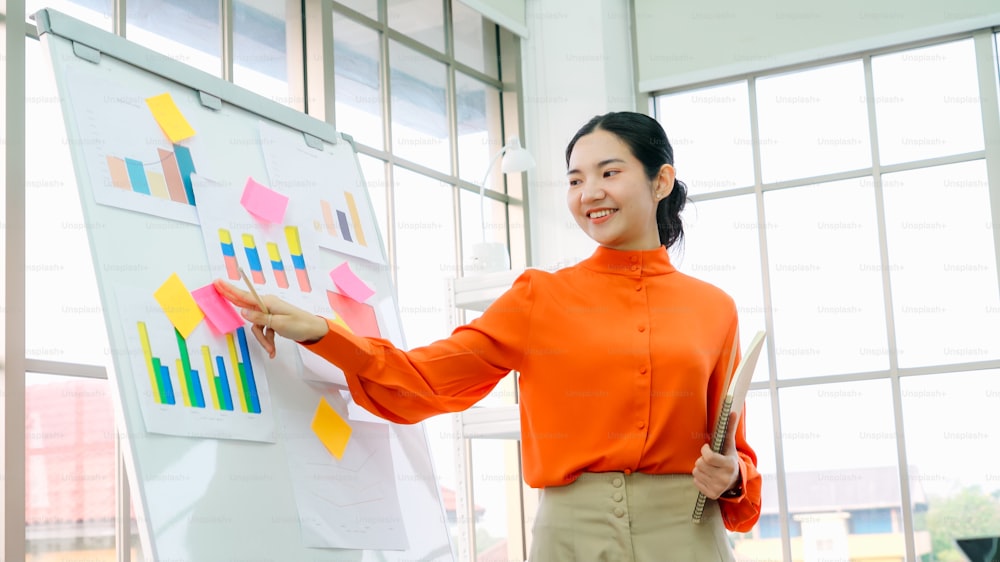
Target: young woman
(622, 363)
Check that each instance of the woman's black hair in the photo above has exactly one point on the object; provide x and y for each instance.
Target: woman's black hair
(648, 142)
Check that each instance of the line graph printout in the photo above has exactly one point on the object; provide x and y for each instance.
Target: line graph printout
(131, 162)
(328, 190)
(348, 503)
(282, 259)
(205, 385)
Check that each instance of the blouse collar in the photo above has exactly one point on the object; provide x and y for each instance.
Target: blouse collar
(630, 263)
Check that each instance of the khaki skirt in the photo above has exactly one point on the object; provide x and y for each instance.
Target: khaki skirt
(614, 517)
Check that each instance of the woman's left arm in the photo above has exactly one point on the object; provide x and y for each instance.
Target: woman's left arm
(730, 476)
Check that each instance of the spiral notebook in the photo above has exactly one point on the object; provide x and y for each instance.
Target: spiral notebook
(736, 394)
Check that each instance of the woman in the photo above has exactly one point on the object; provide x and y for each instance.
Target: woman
(622, 363)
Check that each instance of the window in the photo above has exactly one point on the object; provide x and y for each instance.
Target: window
(418, 86)
(70, 468)
(857, 221)
(422, 98)
(872, 521)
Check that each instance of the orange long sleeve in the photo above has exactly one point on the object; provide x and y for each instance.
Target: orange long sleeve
(622, 364)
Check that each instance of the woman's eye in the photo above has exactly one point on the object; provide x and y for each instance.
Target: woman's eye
(574, 183)
(608, 173)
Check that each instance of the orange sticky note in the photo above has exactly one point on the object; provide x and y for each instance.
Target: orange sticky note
(170, 118)
(331, 429)
(179, 306)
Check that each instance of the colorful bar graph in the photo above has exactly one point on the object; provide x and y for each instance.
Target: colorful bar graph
(359, 233)
(277, 266)
(298, 260)
(173, 184)
(346, 226)
(253, 258)
(229, 254)
(216, 375)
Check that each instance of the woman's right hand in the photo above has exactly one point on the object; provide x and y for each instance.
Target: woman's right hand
(282, 318)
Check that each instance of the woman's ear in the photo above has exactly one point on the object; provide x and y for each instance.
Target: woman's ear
(664, 181)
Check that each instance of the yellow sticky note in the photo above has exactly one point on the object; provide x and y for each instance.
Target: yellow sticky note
(331, 429)
(179, 306)
(170, 118)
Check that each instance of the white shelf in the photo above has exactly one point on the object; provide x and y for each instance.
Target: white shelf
(477, 292)
(495, 422)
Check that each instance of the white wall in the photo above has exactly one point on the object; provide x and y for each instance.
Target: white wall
(683, 42)
(577, 63)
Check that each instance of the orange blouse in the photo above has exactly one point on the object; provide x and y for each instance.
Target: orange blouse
(622, 364)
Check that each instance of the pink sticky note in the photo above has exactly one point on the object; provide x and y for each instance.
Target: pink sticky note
(349, 284)
(264, 203)
(222, 318)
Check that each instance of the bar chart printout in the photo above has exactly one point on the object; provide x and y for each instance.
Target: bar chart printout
(136, 167)
(276, 271)
(205, 385)
(339, 210)
(281, 259)
(168, 177)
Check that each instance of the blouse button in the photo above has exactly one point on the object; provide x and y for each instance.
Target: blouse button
(638, 288)
(633, 259)
(642, 328)
(641, 425)
(619, 512)
(642, 370)
(627, 471)
(617, 482)
(634, 268)
(617, 496)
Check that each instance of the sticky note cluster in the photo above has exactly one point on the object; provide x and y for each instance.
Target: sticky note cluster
(185, 309)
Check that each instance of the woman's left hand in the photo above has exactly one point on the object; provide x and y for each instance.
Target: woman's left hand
(714, 473)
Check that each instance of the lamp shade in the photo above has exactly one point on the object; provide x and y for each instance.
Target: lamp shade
(516, 159)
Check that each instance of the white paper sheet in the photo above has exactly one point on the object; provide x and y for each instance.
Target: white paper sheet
(112, 132)
(329, 203)
(219, 209)
(350, 503)
(212, 419)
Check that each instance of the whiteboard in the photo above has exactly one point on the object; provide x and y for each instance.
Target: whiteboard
(212, 482)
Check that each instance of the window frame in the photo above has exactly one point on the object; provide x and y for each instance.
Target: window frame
(986, 42)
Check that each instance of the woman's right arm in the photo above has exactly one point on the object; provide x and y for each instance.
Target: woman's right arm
(448, 375)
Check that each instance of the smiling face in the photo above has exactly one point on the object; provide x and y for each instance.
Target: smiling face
(611, 197)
